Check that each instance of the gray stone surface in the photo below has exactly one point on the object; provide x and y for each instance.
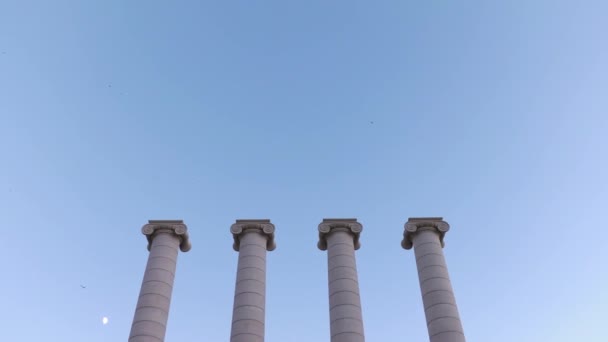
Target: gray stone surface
(426, 235)
(152, 311)
(340, 237)
(252, 238)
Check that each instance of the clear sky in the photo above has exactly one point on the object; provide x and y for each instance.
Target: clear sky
(490, 114)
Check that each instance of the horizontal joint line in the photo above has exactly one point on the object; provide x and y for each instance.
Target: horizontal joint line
(158, 281)
(160, 268)
(425, 280)
(248, 292)
(248, 319)
(354, 280)
(426, 243)
(154, 294)
(245, 333)
(140, 335)
(422, 256)
(335, 306)
(348, 332)
(246, 267)
(448, 331)
(357, 293)
(337, 255)
(251, 255)
(168, 246)
(351, 267)
(344, 318)
(427, 308)
(434, 265)
(151, 307)
(436, 318)
(244, 305)
(149, 321)
(444, 290)
(259, 281)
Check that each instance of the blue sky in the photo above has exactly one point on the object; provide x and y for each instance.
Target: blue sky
(490, 114)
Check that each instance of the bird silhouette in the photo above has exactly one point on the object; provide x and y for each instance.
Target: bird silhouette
(84, 287)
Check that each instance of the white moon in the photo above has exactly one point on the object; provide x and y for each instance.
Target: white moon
(104, 320)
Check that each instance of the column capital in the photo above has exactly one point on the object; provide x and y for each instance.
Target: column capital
(337, 224)
(414, 224)
(260, 226)
(177, 227)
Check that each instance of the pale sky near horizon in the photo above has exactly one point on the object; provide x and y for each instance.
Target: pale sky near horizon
(490, 114)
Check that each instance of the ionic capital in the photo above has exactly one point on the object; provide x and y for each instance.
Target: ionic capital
(177, 227)
(415, 224)
(263, 227)
(331, 225)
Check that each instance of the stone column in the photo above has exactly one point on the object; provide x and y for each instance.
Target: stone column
(152, 312)
(252, 238)
(426, 234)
(340, 237)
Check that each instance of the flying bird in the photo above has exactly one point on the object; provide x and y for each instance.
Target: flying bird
(82, 286)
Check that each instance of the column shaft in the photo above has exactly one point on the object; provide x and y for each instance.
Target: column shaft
(346, 320)
(151, 314)
(442, 318)
(250, 294)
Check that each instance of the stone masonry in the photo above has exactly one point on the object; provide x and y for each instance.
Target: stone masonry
(252, 238)
(152, 311)
(340, 237)
(426, 234)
